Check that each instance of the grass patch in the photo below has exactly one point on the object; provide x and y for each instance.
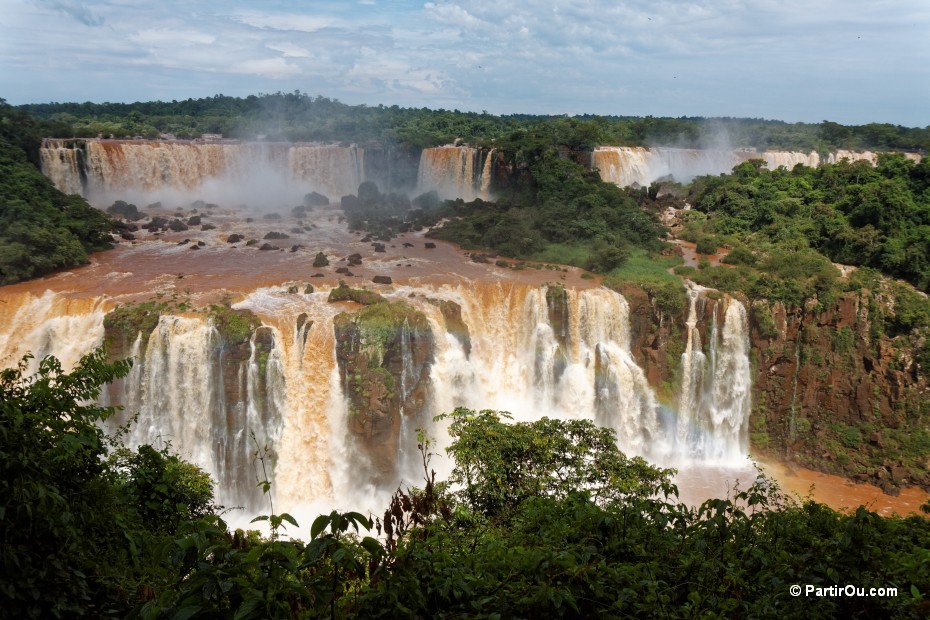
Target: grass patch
(650, 273)
(576, 254)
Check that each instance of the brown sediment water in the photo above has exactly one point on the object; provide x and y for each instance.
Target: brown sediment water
(157, 263)
(843, 494)
(691, 257)
(697, 484)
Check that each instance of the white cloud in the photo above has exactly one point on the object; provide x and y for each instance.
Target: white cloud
(276, 68)
(791, 59)
(167, 37)
(289, 50)
(288, 21)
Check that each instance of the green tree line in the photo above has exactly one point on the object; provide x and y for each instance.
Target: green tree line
(299, 116)
(41, 229)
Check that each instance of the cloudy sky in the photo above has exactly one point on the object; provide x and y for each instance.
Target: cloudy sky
(850, 61)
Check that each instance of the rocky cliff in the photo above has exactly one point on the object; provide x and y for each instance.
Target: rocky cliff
(832, 391)
(384, 352)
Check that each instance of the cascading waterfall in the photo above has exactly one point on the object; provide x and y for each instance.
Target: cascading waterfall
(533, 351)
(49, 324)
(179, 396)
(456, 172)
(714, 399)
(102, 170)
(234, 173)
(640, 166)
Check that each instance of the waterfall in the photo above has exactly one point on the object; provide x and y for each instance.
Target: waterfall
(230, 173)
(714, 399)
(533, 351)
(455, 172)
(639, 166)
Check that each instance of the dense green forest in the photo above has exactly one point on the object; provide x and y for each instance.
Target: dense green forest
(298, 116)
(851, 213)
(41, 229)
(538, 520)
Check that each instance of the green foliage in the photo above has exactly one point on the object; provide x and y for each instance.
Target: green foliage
(41, 229)
(301, 117)
(706, 244)
(763, 319)
(235, 326)
(358, 295)
(320, 260)
(163, 489)
(500, 465)
(850, 212)
(54, 493)
(650, 273)
(81, 525)
(606, 257)
(843, 340)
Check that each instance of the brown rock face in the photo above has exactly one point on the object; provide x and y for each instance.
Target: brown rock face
(656, 340)
(455, 324)
(833, 393)
(384, 352)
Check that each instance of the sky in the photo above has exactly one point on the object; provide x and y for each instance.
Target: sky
(848, 61)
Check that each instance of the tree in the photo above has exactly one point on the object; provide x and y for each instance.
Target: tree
(500, 465)
(78, 531)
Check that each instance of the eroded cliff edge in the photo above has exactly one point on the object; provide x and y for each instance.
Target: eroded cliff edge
(837, 387)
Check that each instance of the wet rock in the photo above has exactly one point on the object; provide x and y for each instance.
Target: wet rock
(318, 275)
(429, 245)
(358, 295)
(308, 289)
(408, 244)
(294, 248)
(354, 259)
(185, 242)
(379, 247)
(234, 238)
(315, 199)
(320, 260)
(276, 235)
(382, 280)
(156, 223)
(384, 353)
(455, 324)
(207, 227)
(267, 247)
(125, 210)
(343, 270)
(201, 243)
(177, 225)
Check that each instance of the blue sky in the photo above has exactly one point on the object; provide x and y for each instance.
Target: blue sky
(797, 60)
